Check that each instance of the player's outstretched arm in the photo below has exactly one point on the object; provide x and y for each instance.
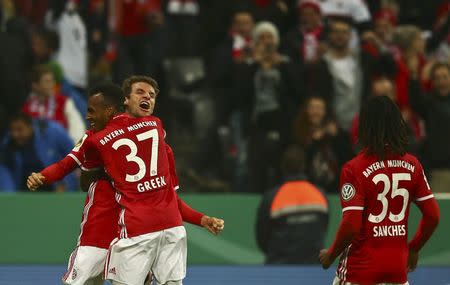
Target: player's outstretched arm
(189, 215)
(428, 224)
(350, 226)
(51, 174)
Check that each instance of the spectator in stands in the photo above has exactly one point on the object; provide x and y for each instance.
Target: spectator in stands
(45, 103)
(381, 86)
(305, 45)
(434, 108)
(15, 57)
(45, 44)
(384, 86)
(266, 90)
(344, 66)
(139, 46)
(411, 46)
(326, 145)
(31, 145)
(292, 219)
(304, 42)
(72, 52)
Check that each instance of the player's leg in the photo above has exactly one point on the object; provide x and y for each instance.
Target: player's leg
(170, 264)
(129, 259)
(149, 279)
(86, 264)
(95, 281)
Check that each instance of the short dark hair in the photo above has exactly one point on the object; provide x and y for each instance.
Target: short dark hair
(382, 128)
(128, 83)
(437, 66)
(293, 160)
(112, 94)
(38, 71)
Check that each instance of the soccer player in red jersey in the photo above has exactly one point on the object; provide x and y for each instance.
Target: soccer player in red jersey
(134, 154)
(99, 220)
(377, 187)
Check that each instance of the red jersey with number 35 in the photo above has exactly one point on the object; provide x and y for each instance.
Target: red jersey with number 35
(383, 190)
(133, 153)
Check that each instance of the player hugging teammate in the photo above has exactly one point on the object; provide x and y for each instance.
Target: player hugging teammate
(126, 233)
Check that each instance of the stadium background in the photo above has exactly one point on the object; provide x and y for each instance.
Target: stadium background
(210, 136)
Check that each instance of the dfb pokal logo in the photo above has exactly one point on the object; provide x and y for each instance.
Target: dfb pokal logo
(347, 191)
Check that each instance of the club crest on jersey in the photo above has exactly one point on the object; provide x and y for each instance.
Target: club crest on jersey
(347, 191)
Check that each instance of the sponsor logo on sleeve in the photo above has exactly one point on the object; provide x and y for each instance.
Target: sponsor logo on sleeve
(347, 191)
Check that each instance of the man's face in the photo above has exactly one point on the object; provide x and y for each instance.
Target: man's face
(45, 86)
(309, 18)
(243, 24)
(20, 132)
(340, 35)
(141, 101)
(384, 30)
(441, 81)
(98, 113)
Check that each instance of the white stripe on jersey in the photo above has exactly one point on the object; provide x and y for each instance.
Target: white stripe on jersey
(176, 188)
(88, 206)
(342, 271)
(425, 198)
(123, 227)
(74, 158)
(352, 208)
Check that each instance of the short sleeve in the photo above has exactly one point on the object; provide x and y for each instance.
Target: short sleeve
(351, 194)
(92, 158)
(423, 190)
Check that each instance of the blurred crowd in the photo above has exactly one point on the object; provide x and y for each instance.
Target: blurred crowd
(241, 81)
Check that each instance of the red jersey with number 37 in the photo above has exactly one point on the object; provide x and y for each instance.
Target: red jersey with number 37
(383, 190)
(133, 153)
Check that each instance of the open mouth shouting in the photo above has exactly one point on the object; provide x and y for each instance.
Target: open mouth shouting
(145, 106)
